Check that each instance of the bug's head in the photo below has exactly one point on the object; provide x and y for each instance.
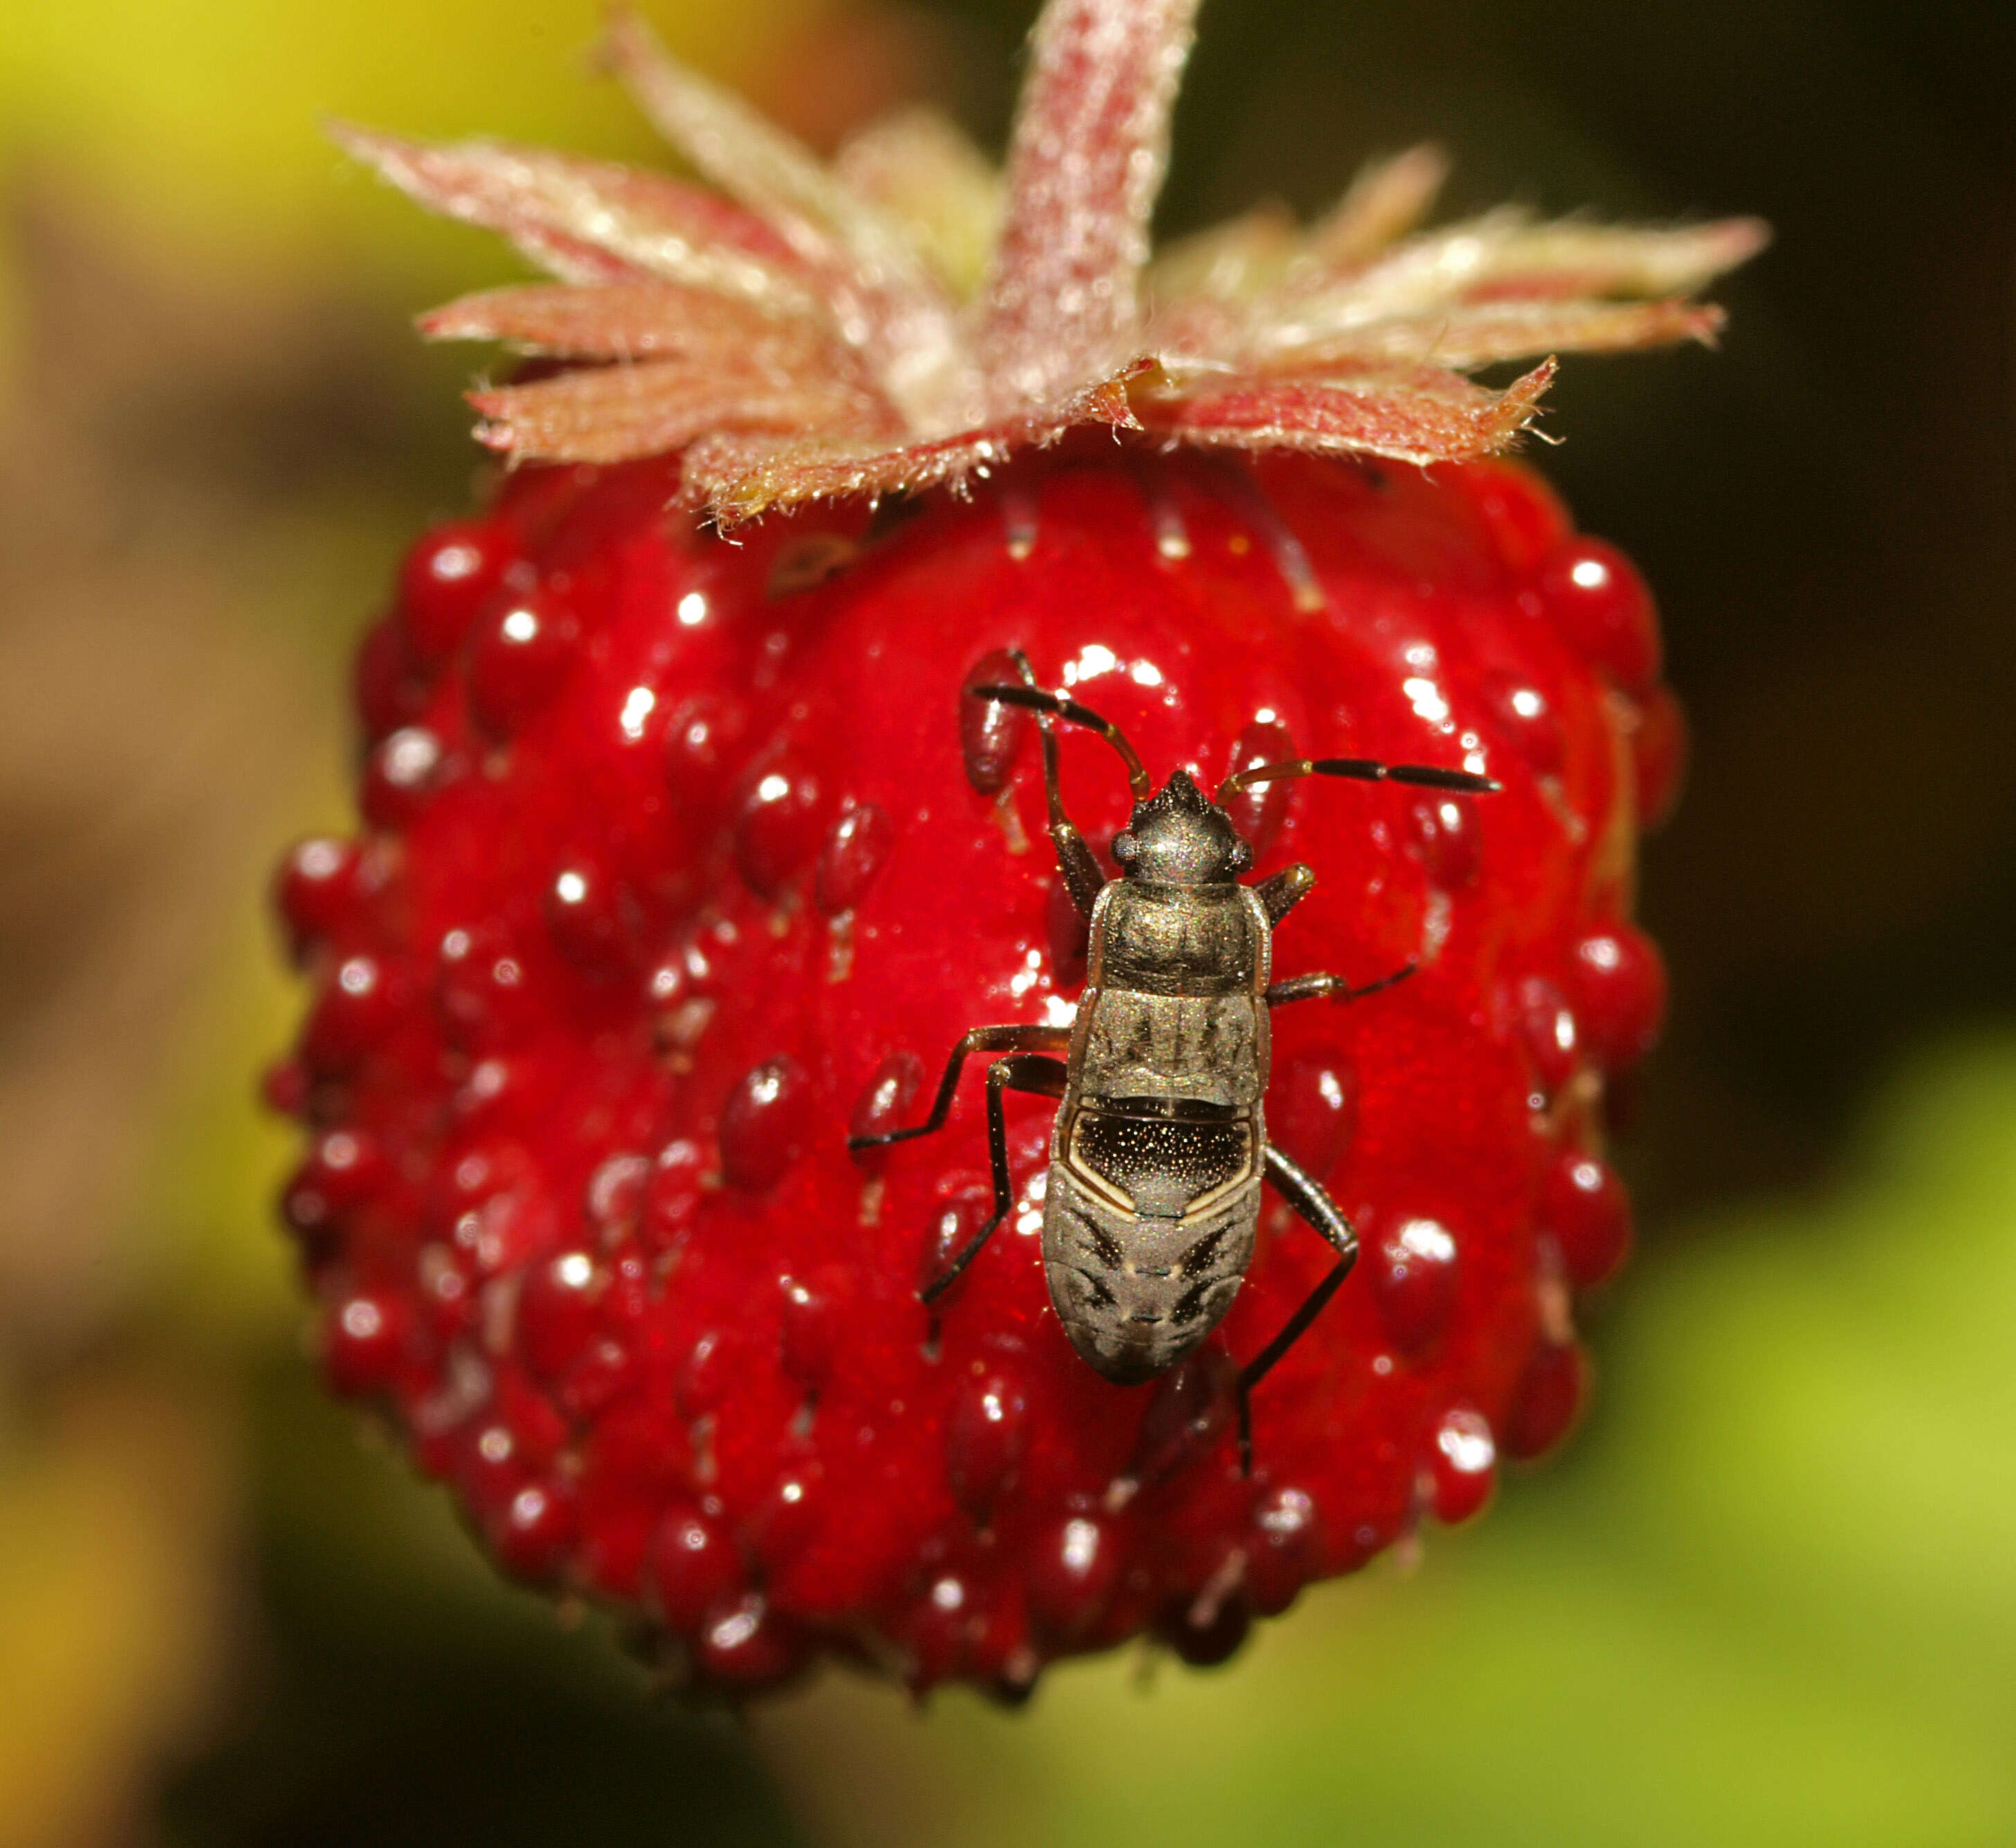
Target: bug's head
(1180, 837)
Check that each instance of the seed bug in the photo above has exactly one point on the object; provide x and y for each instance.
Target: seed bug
(1153, 1197)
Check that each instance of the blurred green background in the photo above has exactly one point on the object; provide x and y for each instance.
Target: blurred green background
(1768, 1595)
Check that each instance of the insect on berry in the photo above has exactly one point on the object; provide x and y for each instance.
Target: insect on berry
(1153, 1197)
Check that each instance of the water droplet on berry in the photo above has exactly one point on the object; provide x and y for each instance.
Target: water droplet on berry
(763, 1125)
(519, 649)
(748, 1646)
(557, 1315)
(403, 770)
(1547, 1029)
(445, 579)
(704, 739)
(721, 1359)
(1461, 1463)
(615, 1197)
(587, 917)
(692, 1567)
(1073, 1569)
(1596, 599)
(672, 1196)
(1583, 1204)
(985, 1434)
(1619, 982)
(344, 1169)
(444, 1294)
(991, 731)
(350, 1017)
(482, 988)
(316, 890)
(789, 1518)
(1414, 1282)
(1446, 839)
(364, 1341)
(1546, 1401)
(532, 1537)
(1311, 1108)
(1283, 1549)
(817, 1313)
(1523, 716)
(961, 1214)
(934, 1632)
(855, 847)
(886, 1102)
(777, 833)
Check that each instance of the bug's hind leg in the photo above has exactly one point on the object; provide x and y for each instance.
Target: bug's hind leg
(1031, 1072)
(1028, 1037)
(1304, 1192)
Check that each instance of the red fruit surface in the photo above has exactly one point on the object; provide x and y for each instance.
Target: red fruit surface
(683, 856)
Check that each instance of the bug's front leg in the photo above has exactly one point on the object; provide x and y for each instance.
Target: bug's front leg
(1315, 988)
(1304, 1192)
(1082, 874)
(1026, 1071)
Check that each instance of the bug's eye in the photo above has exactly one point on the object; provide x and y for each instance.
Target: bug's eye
(1242, 855)
(1124, 849)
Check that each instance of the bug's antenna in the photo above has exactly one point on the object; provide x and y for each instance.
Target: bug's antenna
(1037, 700)
(1365, 769)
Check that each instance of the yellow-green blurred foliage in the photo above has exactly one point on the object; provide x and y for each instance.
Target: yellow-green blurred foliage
(1767, 1598)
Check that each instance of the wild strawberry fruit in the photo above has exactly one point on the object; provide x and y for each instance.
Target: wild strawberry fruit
(685, 856)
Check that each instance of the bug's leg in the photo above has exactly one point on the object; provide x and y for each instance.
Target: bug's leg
(1083, 876)
(1315, 988)
(1304, 1192)
(1025, 1071)
(1282, 892)
(1024, 1038)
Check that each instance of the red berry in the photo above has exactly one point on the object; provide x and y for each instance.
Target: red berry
(520, 650)
(677, 1053)
(401, 773)
(1549, 1395)
(1659, 757)
(344, 1169)
(1619, 984)
(388, 691)
(315, 889)
(1523, 516)
(1594, 594)
(1414, 1278)
(692, 1568)
(1583, 1204)
(692, 854)
(1460, 1466)
(364, 1339)
(444, 580)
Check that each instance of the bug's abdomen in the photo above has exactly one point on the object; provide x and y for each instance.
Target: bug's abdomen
(1148, 1223)
(1135, 1295)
